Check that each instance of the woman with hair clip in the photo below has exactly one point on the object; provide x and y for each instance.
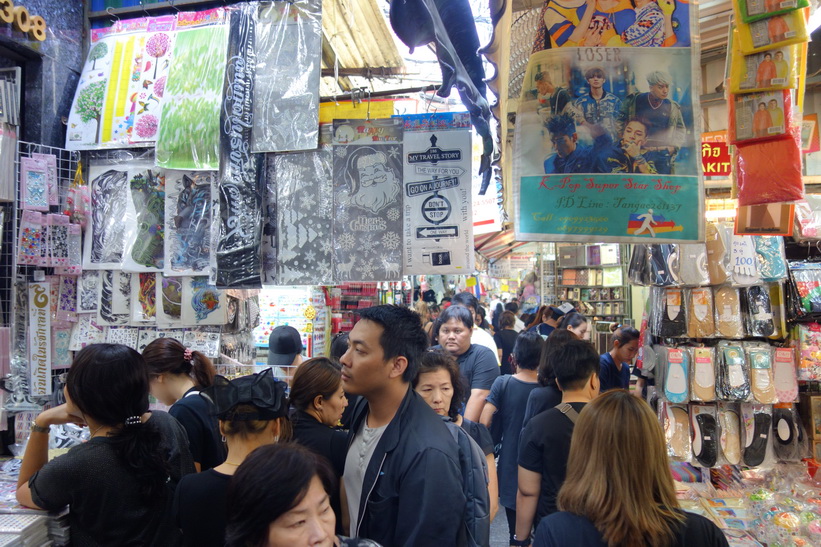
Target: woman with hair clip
(252, 412)
(178, 374)
(440, 384)
(626, 501)
(577, 324)
(280, 497)
(119, 484)
(615, 364)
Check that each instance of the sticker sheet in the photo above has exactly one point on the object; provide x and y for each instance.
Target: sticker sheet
(145, 217)
(188, 218)
(67, 299)
(169, 300)
(58, 240)
(240, 191)
(86, 332)
(202, 303)
(144, 297)
(60, 353)
(127, 336)
(205, 340)
(437, 194)
(105, 235)
(112, 297)
(304, 187)
(88, 291)
(53, 183)
(87, 108)
(288, 51)
(39, 339)
(156, 60)
(34, 184)
(193, 93)
(368, 200)
(31, 239)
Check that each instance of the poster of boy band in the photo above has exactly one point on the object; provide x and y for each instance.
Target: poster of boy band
(607, 110)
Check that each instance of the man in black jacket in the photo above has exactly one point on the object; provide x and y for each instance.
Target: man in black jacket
(402, 476)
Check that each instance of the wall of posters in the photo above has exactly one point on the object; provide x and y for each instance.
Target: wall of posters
(437, 190)
(607, 147)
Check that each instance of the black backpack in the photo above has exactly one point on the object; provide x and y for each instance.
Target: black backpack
(473, 465)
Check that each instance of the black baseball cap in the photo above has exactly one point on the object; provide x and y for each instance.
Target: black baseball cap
(283, 345)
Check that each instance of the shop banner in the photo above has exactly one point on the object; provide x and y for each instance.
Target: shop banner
(240, 191)
(289, 60)
(305, 202)
(715, 154)
(606, 147)
(189, 135)
(437, 191)
(368, 200)
(39, 339)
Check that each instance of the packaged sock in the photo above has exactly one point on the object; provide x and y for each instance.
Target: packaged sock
(761, 375)
(758, 316)
(730, 435)
(784, 375)
(728, 313)
(703, 377)
(700, 317)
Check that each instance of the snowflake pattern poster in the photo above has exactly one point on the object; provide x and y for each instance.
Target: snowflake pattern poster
(368, 200)
(437, 194)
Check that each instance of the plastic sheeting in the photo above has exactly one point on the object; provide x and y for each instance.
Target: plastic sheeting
(188, 212)
(288, 53)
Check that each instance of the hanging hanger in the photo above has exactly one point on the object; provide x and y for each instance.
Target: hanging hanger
(109, 10)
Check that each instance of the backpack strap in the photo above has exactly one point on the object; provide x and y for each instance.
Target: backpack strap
(569, 411)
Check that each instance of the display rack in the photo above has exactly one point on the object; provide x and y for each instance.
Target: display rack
(347, 299)
(594, 276)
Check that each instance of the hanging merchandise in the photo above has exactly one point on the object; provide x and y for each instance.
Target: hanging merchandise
(127, 336)
(115, 298)
(755, 10)
(437, 187)
(105, 236)
(193, 93)
(743, 260)
(236, 252)
(86, 332)
(61, 357)
(304, 200)
(78, 198)
(74, 262)
(733, 374)
(188, 222)
(144, 297)
(664, 263)
(807, 219)
(771, 263)
(8, 158)
(203, 304)
(151, 78)
(676, 424)
(703, 376)
(809, 340)
(270, 241)
(66, 301)
(639, 270)
(772, 32)
(757, 421)
(39, 339)
(784, 375)
(806, 280)
(50, 161)
(716, 242)
(88, 291)
(624, 164)
(58, 231)
(31, 238)
(700, 316)
(758, 311)
(672, 314)
(728, 312)
(288, 49)
(761, 373)
(693, 264)
(168, 300)
(788, 433)
(730, 439)
(770, 171)
(676, 384)
(143, 249)
(765, 71)
(704, 425)
(757, 116)
(368, 200)
(33, 184)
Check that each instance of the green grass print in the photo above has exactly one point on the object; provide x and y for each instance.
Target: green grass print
(189, 128)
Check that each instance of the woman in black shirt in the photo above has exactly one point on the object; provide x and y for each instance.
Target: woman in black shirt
(505, 339)
(252, 412)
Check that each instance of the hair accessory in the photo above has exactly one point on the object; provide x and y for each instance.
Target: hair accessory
(133, 420)
(261, 390)
(188, 354)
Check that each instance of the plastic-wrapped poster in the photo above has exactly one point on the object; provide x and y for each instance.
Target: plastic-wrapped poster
(87, 109)
(105, 236)
(53, 183)
(193, 93)
(168, 300)
(203, 304)
(437, 192)
(145, 218)
(60, 354)
(115, 294)
(188, 212)
(368, 200)
(614, 23)
(607, 147)
(240, 192)
(88, 291)
(151, 78)
(288, 50)
(305, 226)
(144, 297)
(85, 332)
(268, 244)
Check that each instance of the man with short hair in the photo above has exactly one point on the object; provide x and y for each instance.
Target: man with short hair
(598, 106)
(403, 480)
(552, 98)
(570, 156)
(628, 156)
(513, 306)
(479, 335)
(545, 441)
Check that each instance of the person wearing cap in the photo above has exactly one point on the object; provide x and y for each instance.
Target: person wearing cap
(178, 374)
(284, 347)
(403, 481)
(119, 484)
(546, 320)
(252, 412)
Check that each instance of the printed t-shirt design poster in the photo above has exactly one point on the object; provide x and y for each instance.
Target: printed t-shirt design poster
(437, 188)
(368, 199)
(606, 138)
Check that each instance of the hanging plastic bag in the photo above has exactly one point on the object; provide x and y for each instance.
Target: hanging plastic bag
(761, 373)
(772, 32)
(765, 71)
(703, 375)
(704, 425)
(770, 171)
(734, 375)
(728, 312)
(700, 316)
(716, 254)
(755, 10)
(693, 264)
(758, 313)
(730, 439)
(760, 116)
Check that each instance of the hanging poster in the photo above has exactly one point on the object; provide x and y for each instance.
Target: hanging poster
(105, 236)
(151, 78)
(609, 152)
(193, 93)
(144, 297)
(437, 194)
(39, 328)
(202, 303)
(87, 107)
(85, 332)
(240, 191)
(188, 212)
(305, 201)
(168, 300)
(145, 221)
(115, 299)
(368, 200)
(88, 291)
(289, 58)
(268, 243)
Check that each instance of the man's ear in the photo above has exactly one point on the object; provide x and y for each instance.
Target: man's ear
(575, 137)
(399, 366)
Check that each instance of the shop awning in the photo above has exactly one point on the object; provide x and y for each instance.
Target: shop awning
(495, 245)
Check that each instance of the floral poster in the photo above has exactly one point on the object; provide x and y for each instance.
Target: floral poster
(368, 200)
(156, 60)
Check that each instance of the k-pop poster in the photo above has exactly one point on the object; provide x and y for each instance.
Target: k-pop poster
(606, 147)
